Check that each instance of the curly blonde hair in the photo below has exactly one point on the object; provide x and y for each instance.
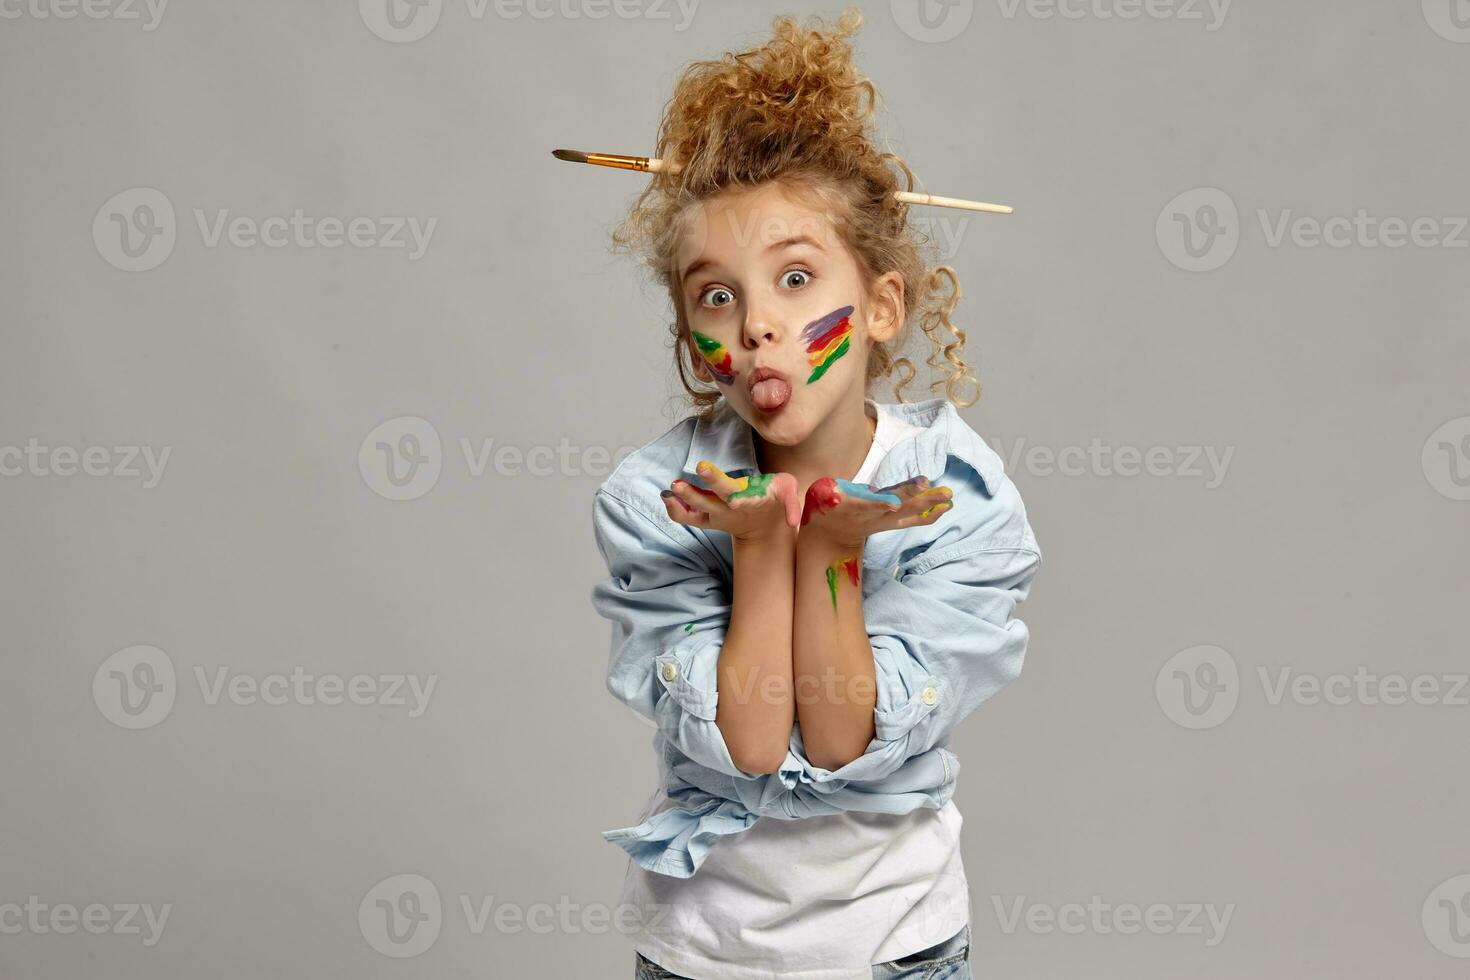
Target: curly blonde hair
(795, 110)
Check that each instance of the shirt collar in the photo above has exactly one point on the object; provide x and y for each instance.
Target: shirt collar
(728, 441)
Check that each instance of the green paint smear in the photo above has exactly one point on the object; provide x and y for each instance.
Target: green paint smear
(832, 585)
(822, 369)
(757, 487)
(706, 344)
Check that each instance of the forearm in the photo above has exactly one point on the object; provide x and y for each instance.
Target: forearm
(755, 710)
(832, 659)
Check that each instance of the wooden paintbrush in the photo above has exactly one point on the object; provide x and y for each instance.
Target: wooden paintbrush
(654, 165)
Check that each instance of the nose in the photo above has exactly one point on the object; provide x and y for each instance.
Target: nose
(762, 327)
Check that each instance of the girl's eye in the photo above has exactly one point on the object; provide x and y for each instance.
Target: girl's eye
(796, 272)
(716, 291)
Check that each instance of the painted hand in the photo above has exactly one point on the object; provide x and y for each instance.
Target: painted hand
(747, 507)
(846, 513)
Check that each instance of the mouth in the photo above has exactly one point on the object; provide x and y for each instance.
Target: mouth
(770, 390)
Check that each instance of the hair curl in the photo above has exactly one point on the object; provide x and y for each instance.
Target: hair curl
(795, 110)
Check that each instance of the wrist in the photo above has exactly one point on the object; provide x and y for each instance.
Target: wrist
(777, 539)
(817, 544)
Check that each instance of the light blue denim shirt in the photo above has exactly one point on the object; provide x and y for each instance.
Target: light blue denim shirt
(939, 603)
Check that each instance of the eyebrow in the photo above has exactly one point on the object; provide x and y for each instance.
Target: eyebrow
(783, 243)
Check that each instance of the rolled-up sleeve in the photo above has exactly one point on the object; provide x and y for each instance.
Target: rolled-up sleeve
(669, 612)
(944, 633)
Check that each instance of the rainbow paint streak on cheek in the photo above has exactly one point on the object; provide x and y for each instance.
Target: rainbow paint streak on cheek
(827, 340)
(717, 355)
(848, 567)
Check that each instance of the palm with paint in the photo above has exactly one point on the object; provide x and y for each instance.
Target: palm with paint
(846, 513)
(745, 504)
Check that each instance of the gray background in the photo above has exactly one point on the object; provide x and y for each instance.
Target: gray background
(1334, 542)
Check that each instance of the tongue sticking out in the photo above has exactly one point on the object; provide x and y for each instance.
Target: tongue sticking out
(770, 393)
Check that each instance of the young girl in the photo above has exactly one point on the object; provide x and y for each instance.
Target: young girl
(808, 589)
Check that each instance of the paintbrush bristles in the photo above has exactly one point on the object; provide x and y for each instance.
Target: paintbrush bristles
(657, 166)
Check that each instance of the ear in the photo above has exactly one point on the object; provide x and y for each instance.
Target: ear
(886, 307)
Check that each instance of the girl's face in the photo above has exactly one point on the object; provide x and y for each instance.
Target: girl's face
(778, 312)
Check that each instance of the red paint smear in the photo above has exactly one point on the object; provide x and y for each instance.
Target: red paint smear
(851, 566)
(831, 335)
(821, 496)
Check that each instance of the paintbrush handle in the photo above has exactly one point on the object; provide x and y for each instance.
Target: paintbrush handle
(654, 165)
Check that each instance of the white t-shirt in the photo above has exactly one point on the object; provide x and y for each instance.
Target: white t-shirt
(820, 898)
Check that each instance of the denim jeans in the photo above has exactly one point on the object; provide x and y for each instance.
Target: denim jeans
(949, 960)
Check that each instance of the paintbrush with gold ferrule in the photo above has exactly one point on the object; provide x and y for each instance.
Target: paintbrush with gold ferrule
(653, 165)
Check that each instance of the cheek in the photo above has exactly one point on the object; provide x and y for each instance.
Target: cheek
(827, 340)
(716, 355)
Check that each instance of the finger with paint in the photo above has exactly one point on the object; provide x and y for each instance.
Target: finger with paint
(754, 486)
(943, 497)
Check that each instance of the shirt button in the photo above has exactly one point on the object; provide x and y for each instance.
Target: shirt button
(670, 672)
(930, 695)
